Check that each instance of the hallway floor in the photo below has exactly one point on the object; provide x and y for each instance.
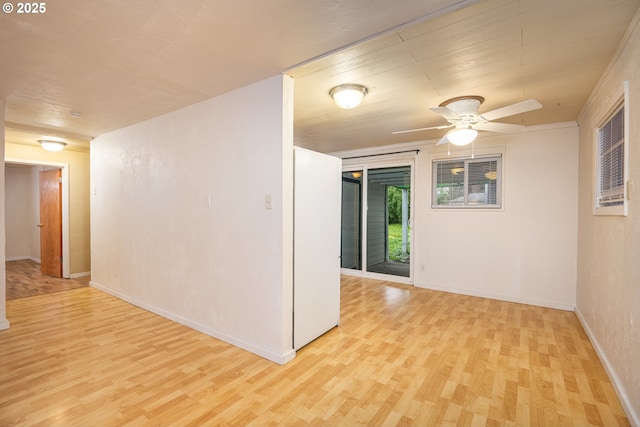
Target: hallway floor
(24, 279)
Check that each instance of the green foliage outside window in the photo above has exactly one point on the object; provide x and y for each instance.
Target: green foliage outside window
(394, 201)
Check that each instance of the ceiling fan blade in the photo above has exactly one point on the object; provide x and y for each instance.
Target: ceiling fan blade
(510, 110)
(416, 130)
(498, 127)
(443, 140)
(445, 112)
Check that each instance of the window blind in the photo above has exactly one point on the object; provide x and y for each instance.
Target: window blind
(482, 182)
(467, 183)
(611, 171)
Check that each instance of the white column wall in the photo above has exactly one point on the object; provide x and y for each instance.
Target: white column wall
(224, 269)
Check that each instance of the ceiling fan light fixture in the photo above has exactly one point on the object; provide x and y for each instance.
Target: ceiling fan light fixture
(462, 136)
(492, 175)
(51, 145)
(348, 96)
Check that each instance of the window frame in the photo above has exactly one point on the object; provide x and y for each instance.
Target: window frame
(498, 156)
(622, 102)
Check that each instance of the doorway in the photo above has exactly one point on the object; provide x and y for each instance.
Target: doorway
(34, 195)
(376, 221)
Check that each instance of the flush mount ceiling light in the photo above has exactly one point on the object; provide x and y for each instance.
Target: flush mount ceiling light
(462, 136)
(51, 145)
(348, 96)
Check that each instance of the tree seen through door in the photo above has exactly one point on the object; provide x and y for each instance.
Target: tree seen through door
(398, 203)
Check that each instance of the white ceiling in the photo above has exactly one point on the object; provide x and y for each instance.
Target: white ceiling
(507, 51)
(119, 62)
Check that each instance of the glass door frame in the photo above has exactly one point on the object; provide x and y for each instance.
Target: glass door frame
(365, 166)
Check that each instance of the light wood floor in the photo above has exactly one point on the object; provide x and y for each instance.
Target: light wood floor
(24, 279)
(394, 268)
(402, 356)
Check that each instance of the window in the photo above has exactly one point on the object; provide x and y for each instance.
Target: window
(611, 164)
(467, 183)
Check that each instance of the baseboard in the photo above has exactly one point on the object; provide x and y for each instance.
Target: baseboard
(20, 258)
(507, 298)
(4, 324)
(634, 417)
(277, 358)
(16, 258)
(287, 357)
(77, 275)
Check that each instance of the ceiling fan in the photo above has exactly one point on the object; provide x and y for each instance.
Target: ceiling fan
(463, 116)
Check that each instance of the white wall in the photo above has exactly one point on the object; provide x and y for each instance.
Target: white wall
(524, 252)
(225, 269)
(22, 201)
(18, 212)
(608, 294)
(4, 323)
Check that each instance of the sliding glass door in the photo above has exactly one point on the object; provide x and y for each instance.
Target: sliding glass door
(376, 218)
(388, 212)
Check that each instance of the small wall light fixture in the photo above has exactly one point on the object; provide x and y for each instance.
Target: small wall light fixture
(348, 96)
(51, 145)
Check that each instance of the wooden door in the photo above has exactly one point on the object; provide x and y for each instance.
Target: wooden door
(51, 222)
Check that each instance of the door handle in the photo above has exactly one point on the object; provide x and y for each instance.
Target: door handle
(40, 225)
